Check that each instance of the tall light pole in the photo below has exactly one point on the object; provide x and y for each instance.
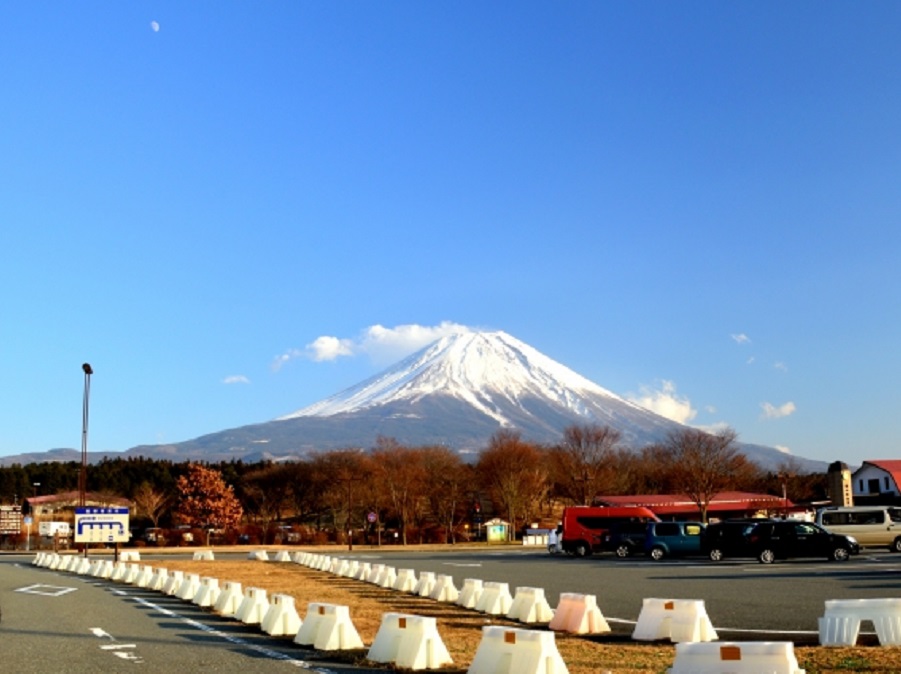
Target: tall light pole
(83, 475)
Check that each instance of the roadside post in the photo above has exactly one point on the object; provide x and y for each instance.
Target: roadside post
(28, 522)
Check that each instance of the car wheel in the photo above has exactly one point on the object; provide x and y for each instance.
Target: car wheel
(623, 551)
(581, 549)
(716, 555)
(766, 556)
(896, 545)
(841, 554)
(657, 553)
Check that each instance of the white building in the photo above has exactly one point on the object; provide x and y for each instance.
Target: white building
(877, 478)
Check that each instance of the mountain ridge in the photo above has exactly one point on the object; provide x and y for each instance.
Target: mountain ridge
(456, 392)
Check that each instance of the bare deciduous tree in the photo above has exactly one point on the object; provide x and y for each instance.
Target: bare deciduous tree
(446, 482)
(400, 476)
(512, 470)
(583, 464)
(701, 464)
(150, 502)
(341, 476)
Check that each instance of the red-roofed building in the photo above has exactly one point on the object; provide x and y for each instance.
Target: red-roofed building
(726, 504)
(62, 506)
(877, 481)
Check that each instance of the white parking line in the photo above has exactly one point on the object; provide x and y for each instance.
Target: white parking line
(262, 650)
(622, 621)
(46, 590)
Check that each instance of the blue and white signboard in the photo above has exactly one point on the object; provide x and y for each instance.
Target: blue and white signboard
(101, 525)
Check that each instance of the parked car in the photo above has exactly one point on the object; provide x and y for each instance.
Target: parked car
(869, 525)
(782, 539)
(673, 539)
(625, 539)
(728, 538)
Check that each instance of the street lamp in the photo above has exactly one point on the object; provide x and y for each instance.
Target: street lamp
(83, 475)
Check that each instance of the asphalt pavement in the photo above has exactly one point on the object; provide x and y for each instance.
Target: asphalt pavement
(62, 622)
(745, 600)
(57, 621)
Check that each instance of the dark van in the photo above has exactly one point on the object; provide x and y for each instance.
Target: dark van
(728, 538)
(625, 539)
(784, 539)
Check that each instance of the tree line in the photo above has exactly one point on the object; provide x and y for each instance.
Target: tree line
(420, 493)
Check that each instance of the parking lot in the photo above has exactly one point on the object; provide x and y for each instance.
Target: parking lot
(745, 599)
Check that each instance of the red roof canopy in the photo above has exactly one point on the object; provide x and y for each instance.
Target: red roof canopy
(725, 501)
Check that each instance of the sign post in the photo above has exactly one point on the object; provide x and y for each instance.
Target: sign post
(101, 525)
(28, 522)
(10, 520)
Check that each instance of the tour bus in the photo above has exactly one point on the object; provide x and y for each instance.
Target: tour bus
(584, 526)
(872, 526)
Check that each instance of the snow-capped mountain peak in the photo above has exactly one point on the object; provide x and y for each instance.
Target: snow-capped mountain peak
(491, 371)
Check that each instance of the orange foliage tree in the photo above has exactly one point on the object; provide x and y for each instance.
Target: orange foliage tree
(205, 500)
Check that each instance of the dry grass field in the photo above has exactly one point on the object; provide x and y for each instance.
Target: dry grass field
(461, 628)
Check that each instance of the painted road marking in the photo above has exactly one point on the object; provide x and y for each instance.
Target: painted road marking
(120, 650)
(262, 650)
(47, 590)
(460, 564)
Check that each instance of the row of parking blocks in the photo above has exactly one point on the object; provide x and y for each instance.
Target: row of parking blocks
(413, 642)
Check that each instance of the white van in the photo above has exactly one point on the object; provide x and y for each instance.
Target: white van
(872, 526)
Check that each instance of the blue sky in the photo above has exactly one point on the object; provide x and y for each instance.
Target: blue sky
(693, 204)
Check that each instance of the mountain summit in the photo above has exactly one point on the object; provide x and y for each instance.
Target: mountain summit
(502, 380)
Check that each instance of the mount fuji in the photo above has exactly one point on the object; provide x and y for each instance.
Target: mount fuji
(456, 392)
(497, 381)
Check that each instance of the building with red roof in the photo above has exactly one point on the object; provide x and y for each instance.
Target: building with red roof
(877, 481)
(726, 504)
(62, 506)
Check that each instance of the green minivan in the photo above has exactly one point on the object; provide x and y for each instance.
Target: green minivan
(673, 539)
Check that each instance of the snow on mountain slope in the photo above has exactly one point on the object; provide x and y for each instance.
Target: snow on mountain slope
(455, 393)
(491, 371)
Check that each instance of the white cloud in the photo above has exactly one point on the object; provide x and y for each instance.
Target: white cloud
(779, 365)
(714, 428)
(665, 402)
(772, 412)
(783, 449)
(155, 26)
(329, 348)
(236, 379)
(741, 338)
(382, 345)
(386, 345)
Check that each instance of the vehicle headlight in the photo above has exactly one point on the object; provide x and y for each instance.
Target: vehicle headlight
(852, 539)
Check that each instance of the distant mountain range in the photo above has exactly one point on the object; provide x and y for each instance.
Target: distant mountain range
(457, 392)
